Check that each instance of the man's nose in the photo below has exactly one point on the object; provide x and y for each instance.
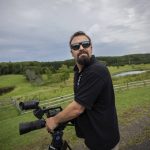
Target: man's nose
(81, 47)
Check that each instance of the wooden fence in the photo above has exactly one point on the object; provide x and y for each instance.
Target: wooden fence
(58, 101)
(131, 85)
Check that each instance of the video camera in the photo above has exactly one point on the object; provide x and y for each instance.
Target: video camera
(57, 142)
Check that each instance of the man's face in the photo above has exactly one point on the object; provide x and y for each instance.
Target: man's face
(81, 49)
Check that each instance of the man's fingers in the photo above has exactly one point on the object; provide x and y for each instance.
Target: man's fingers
(49, 130)
(50, 124)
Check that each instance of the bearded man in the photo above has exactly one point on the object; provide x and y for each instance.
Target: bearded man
(93, 107)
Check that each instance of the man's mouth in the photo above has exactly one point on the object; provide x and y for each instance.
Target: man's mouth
(82, 54)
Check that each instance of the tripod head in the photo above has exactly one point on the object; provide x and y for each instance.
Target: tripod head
(57, 141)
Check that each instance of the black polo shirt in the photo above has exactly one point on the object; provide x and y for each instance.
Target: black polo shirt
(98, 124)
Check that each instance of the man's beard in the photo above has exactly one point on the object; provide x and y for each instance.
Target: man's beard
(84, 59)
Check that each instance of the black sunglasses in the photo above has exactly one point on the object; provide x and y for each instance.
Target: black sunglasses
(76, 46)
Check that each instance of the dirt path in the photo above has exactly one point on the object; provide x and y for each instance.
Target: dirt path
(134, 135)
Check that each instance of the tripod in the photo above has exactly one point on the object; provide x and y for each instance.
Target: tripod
(57, 142)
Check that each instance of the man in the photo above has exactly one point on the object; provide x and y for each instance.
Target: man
(94, 100)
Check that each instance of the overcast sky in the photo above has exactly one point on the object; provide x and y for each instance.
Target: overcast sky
(39, 30)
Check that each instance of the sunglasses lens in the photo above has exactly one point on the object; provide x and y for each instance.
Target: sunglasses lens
(75, 46)
(86, 44)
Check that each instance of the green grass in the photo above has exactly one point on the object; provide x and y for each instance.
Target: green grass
(131, 78)
(128, 103)
(10, 80)
(118, 69)
(7, 112)
(10, 138)
(125, 102)
(24, 90)
(132, 103)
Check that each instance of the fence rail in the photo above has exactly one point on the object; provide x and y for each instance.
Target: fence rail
(131, 85)
(57, 101)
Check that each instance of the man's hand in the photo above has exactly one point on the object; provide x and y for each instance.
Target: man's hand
(72, 111)
(51, 124)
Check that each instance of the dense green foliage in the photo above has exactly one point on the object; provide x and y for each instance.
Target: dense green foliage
(41, 67)
(127, 59)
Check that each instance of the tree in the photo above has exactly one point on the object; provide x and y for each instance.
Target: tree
(49, 73)
(33, 77)
(64, 73)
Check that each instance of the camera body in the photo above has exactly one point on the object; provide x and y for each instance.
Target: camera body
(38, 113)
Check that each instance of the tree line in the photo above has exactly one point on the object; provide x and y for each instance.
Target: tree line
(53, 67)
(126, 59)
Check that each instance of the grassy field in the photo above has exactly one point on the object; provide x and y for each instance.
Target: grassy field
(128, 103)
(118, 69)
(25, 90)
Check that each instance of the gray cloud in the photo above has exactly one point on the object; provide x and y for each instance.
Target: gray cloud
(40, 30)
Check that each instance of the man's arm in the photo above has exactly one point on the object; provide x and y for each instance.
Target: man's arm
(72, 111)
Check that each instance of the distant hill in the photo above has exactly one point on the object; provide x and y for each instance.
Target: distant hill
(41, 67)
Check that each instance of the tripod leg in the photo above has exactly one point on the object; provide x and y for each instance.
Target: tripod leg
(65, 146)
(51, 147)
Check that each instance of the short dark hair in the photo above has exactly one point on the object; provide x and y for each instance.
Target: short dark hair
(78, 33)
